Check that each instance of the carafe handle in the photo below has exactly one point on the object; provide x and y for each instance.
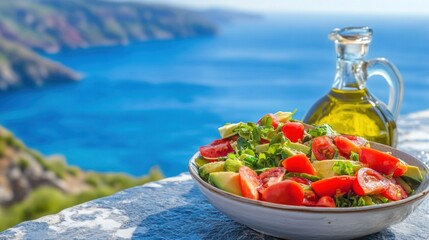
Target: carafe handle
(388, 71)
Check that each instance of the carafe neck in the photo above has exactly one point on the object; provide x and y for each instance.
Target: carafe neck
(351, 46)
(350, 74)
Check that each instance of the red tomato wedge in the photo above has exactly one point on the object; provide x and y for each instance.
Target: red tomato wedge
(394, 191)
(218, 148)
(333, 186)
(299, 163)
(294, 131)
(323, 148)
(379, 161)
(310, 197)
(249, 182)
(270, 177)
(326, 201)
(346, 146)
(402, 168)
(285, 192)
(275, 121)
(369, 181)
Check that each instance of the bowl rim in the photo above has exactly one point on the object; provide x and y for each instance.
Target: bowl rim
(192, 168)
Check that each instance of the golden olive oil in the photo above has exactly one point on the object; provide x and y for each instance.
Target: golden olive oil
(355, 112)
(349, 107)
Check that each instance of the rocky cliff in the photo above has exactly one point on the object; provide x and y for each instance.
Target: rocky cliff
(53, 25)
(22, 67)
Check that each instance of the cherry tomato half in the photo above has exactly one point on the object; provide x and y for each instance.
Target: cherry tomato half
(394, 191)
(270, 177)
(379, 161)
(346, 146)
(299, 163)
(218, 148)
(294, 131)
(333, 186)
(275, 121)
(369, 181)
(249, 182)
(285, 192)
(323, 148)
(326, 201)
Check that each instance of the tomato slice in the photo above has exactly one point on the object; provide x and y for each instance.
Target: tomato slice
(294, 131)
(326, 201)
(299, 163)
(379, 161)
(369, 181)
(346, 146)
(402, 168)
(249, 182)
(270, 177)
(275, 121)
(218, 148)
(394, 191)
(323, 148)
(333, 186)
(285, 192)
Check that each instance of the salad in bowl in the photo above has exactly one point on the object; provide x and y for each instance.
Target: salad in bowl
(287, 179)
(280, 160)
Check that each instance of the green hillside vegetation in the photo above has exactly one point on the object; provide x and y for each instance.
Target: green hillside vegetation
(32, 185)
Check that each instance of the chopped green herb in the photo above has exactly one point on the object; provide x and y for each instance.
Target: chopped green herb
(343, 168)
(266, 121)
(378, 199)
(354, 156)
(278, 138)
(350, 200)
(303, 175)
(322, 130)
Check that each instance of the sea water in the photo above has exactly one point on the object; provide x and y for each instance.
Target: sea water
(155, 103)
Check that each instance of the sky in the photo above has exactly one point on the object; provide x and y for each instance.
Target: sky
(403, 7)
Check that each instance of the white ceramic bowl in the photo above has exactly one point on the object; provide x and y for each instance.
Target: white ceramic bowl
(296, 222)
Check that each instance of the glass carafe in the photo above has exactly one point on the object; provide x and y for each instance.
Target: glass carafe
(349, 107)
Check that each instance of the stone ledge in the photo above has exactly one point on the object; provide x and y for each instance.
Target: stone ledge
(172, 208)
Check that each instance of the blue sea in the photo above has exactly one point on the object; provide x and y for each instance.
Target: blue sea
(155, 103)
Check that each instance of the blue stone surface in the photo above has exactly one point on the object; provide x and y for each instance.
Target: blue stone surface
(174, 208)
(169, 209)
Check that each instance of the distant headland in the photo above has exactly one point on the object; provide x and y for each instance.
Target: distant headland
(49, 26)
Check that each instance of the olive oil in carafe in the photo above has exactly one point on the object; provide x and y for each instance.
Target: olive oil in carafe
(349, 107)
(355, 112)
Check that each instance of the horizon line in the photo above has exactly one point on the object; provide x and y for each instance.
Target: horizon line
(379, 7)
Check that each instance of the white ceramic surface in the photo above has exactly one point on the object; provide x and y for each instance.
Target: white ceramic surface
(295, 222)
